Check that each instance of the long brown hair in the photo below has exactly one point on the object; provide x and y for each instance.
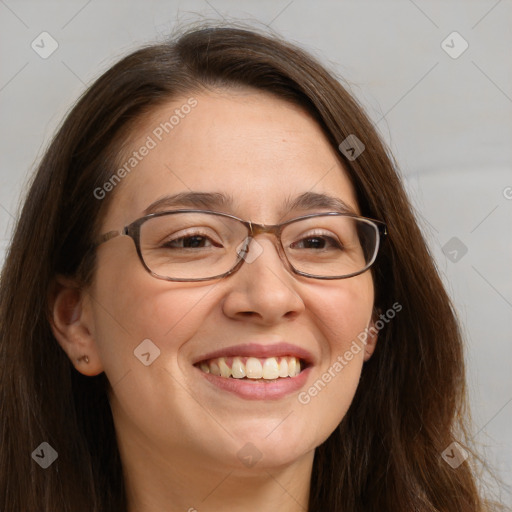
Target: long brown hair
(410, 404)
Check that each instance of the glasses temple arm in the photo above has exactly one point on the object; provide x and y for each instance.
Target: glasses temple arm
(105, 237)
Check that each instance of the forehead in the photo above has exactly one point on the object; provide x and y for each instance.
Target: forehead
(260, 151)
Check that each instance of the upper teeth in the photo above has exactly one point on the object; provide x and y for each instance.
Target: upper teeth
(252, 367)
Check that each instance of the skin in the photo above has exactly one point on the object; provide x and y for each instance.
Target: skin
(178, 435)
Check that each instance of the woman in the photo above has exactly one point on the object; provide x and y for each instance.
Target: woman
(217, 298)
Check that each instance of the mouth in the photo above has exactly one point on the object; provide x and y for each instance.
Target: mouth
(253, 368)
(257, 372)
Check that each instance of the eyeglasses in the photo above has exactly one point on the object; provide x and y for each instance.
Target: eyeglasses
(199, 245)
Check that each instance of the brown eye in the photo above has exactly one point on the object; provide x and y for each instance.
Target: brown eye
(316, 242)
(191, 242)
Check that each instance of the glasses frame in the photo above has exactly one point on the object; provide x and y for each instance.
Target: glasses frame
(133, 231)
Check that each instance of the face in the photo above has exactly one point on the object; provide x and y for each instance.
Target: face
(262, 153)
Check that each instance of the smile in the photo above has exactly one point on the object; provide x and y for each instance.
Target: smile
(253, 368)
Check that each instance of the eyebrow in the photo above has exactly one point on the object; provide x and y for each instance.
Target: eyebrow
(208, 200)
(217, 200)
(313, 201)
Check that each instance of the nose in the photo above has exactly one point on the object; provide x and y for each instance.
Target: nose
(263, 290)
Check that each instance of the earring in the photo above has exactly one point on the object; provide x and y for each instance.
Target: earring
(83, 358)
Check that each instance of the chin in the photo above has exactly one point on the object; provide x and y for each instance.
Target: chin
(270, 443)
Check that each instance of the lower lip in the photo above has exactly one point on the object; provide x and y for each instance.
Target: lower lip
(259, 389)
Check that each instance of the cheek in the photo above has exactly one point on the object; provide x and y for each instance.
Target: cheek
(342, 312)
(131, 306)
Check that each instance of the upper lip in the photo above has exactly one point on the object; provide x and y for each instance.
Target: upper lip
(259, 350)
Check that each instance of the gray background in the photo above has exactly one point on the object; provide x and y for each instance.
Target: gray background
(447, 121)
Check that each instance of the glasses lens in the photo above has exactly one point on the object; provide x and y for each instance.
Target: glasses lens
(196, 245)
(331, 245)
(191, 245)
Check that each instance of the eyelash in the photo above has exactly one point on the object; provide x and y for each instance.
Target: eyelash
(334, 242)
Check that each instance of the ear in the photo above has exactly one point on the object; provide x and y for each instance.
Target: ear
(372, 335)
(72, 324)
